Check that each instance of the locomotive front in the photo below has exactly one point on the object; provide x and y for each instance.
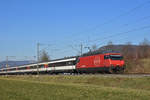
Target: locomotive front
(115, 62)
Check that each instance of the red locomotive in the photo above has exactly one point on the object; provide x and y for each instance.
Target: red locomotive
(108, 62)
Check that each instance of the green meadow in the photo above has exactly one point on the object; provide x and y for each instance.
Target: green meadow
(67, 87)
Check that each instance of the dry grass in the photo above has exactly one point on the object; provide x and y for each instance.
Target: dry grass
(138, 66)
(89, 87)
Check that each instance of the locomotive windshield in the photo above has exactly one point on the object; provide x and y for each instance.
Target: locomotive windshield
(116, 57)
(113, 57)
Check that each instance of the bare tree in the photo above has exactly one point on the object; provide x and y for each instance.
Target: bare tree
(44, 56)
(127, 51)
(145, 42)
(110, 43)
(144, 49)
(109, 46)
(94, 47)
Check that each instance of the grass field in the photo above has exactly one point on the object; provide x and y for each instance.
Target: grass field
(85, 87)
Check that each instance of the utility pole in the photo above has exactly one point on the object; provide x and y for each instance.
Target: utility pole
(38, 51)
(6, 61)
(88, 48)
(38, 56)
(81, 49)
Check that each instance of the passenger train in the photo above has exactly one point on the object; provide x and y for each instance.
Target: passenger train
(97, 63)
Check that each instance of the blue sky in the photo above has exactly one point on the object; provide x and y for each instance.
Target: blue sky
(65, 24)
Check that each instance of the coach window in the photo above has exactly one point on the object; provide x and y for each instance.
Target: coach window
(41, 66)
(74, 62)
(5, 70)
(12, 69)
(22, 68)
(61, 64)
(31, 67)
(50, 65)
(69, 63)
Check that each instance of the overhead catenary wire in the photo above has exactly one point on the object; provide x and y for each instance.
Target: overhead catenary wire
(132, 30)
(121, 15)
(139, 20)
(103, 42)
(130, 11)
(113, 20)
(114, 35)
(117, 17)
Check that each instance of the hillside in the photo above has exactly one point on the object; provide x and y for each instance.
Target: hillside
(114, 48)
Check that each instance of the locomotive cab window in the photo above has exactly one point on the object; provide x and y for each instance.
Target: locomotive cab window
(116, 57)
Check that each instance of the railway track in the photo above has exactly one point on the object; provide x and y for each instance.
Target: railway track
(117, 75)
(99, 75)
(126, 75)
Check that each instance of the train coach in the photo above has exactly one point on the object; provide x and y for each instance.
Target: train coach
(66, 65)
(106, 62)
